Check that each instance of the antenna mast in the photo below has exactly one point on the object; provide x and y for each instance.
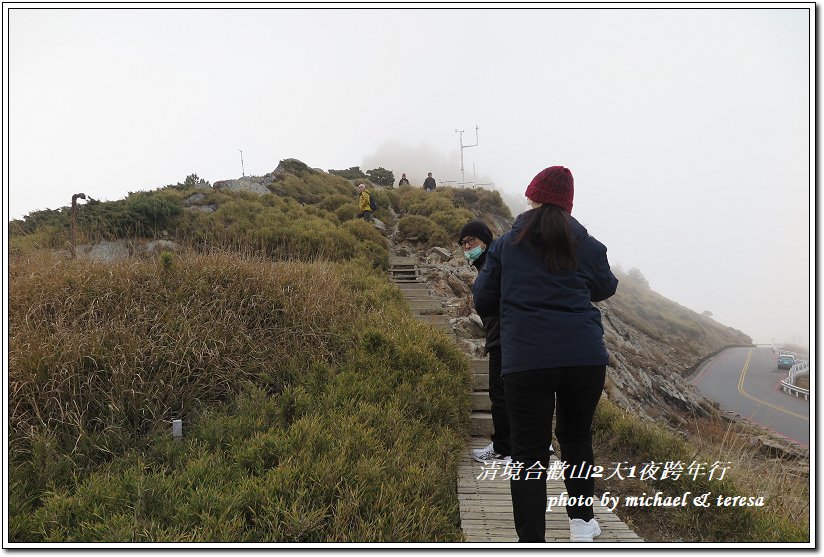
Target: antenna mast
(242, 171)
(463, 182)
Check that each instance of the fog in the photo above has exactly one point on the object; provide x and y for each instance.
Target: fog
(687, 130)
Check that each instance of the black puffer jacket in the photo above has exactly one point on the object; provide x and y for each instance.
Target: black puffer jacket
(492, 323)
(548, 319)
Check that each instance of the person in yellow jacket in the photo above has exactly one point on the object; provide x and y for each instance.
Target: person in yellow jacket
(364, 205)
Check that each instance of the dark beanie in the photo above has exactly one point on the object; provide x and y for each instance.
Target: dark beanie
(554, 186)
(478, 229)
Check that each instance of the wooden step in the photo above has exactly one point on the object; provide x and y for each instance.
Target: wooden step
(480, 372)
(433, 319)
(402, 260)
(416, 287)
(432, 303)
(405, 274)
(427, 308)
(480, 401)
(479, 366)
(412, 299)
(481, 424)
(440, 322)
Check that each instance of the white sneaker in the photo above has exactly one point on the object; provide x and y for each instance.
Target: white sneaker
(488, 453)
(583, 531)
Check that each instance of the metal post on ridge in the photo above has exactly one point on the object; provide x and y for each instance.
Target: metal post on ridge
(75, 197)
(460, 132)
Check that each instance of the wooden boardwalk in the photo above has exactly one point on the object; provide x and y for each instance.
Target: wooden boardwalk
(486, 508)
(486, 505)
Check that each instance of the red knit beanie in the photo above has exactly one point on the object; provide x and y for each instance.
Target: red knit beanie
(553, 185)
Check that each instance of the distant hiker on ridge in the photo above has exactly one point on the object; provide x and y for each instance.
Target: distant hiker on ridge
(429, 183)
(404, 181)
(364, 204)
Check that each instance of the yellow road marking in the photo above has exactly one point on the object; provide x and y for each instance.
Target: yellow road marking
(764, 402)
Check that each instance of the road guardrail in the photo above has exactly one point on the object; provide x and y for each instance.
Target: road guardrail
(788, 384)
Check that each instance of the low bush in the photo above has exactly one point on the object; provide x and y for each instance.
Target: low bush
(382, 177)
(352, 173)
(452, 220)
(421, 229)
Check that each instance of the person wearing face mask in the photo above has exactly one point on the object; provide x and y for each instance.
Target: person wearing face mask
(475, 239)
(542, 277)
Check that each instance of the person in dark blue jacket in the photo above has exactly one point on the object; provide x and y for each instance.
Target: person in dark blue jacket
(475, 239)
(541, 278)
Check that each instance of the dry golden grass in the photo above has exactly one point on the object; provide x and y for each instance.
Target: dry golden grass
(316, 408)
(783, 482)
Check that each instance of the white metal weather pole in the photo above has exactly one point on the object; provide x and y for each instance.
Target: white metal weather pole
(460, 132)
(242, 171)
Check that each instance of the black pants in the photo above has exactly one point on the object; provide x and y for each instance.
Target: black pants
(530, 399)
(500, 417)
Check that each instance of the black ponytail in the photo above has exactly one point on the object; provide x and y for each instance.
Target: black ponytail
(546, 230)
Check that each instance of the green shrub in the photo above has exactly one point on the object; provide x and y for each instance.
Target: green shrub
(152, 212)
(352, 173)
(452, 220)
(294, 166)
(347, 211)
(363, 231)
(419, 202)
(382, 177)
(422, 229)
(390, 198)
(47, 236)
(52, 218)
(334, 201)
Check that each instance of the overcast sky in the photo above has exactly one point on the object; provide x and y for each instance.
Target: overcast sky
(687, 130)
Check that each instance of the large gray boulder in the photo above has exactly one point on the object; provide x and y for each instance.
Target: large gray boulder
(438, 255)
(242, 184)
(194, 199)
(377, 223)
(104, 251)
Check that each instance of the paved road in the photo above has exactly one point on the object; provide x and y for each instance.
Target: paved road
(747, 382)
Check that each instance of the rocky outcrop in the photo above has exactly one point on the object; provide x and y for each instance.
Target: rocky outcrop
(242, 184)
(198, 202)
(377, 223)
(260, 184)
(194, 199)
(104, 251)
(498, 224)
(438, 255)
(110, 252)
